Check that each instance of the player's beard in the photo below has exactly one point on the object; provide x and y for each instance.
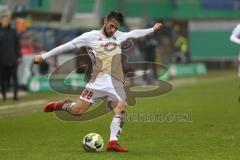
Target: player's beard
(105, 32)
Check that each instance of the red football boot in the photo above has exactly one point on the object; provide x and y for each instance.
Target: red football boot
(54, 106)
(115, 147)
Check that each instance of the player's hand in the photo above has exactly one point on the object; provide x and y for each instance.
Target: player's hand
(157, 26)
(38, 59)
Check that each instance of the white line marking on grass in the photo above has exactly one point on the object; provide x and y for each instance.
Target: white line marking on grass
(192, 81)
(228, 137)
(22, 105)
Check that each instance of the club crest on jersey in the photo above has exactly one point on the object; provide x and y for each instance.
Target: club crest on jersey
(109, 46)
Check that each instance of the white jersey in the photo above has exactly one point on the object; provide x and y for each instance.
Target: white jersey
(107, 75)
(104, 51)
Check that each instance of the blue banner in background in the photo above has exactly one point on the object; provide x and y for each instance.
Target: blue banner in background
(221, 4)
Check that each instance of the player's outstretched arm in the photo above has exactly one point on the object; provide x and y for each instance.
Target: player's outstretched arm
(78, 42)
(137, 33)
(235, 35)
(58, 50)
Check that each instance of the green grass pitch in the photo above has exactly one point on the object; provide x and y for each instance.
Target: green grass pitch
(212, 133)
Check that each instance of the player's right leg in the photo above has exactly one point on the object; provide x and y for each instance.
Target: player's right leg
(116, 126)
(71, 107)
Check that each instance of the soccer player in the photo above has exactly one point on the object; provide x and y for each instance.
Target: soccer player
(107, 79)
(235, 38)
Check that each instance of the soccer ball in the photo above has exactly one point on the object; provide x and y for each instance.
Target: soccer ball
(93, 142)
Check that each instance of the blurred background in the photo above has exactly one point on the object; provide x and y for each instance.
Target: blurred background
(199, 119)
(193, 40)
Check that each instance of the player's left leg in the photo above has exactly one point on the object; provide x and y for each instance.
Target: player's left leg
(116, 126)
(87, 98)
(76, 108)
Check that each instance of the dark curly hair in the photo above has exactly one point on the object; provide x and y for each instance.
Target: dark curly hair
(116, 15)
